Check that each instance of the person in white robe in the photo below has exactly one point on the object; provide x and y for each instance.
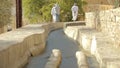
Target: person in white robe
(74, 10)
(55, 12)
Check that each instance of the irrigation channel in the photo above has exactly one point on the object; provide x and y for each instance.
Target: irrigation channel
(68, 47)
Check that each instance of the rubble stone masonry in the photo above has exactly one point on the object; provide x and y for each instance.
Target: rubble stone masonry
(107, 21)
(100, 36)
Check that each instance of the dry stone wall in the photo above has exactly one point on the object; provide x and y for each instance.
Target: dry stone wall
(107, 21)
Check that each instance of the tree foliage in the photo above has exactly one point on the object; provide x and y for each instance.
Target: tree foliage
(39, 10)
(5, 12)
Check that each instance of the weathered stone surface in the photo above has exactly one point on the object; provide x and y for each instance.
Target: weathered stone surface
(90, 22)
(54, 60)
(97, 7)
(111, 2)
(105, 50)
(81, 60)
(86, 38)
(15, 43)
(71, 32)
(113, 65)
(107, 32)
(106, 21)
(17, 46)
(93, 45)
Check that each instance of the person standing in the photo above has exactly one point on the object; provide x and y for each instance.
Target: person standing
(55, 12)
(74, 10)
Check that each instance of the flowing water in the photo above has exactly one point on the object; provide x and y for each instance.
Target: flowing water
(58, 40)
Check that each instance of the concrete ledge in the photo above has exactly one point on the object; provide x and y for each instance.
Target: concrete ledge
(17, 46)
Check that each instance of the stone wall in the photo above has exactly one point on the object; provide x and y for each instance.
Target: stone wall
(106, 21)
(97, 7)
(92, 14)
(100, 33)
(9, 18)
(13, 13)
(100, 37)
(17, 46)
(106, 2)
(98, 43)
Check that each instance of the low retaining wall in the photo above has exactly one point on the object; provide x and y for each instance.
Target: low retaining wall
(99, 44)
(17, 46)
(108, 44)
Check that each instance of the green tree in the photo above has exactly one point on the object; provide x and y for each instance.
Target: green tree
(31, 9)
(39, 10)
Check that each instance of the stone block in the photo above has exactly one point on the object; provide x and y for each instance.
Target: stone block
(90, 20)
(86, 41)
(70, 31)
(93, 45)
(81, 60)
(90, 23)
(54, 60)
(103, 56)
(86, 38)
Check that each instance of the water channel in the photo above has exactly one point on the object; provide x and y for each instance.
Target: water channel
(68, 47)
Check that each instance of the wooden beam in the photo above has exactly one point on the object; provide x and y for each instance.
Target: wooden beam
(18, 13)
